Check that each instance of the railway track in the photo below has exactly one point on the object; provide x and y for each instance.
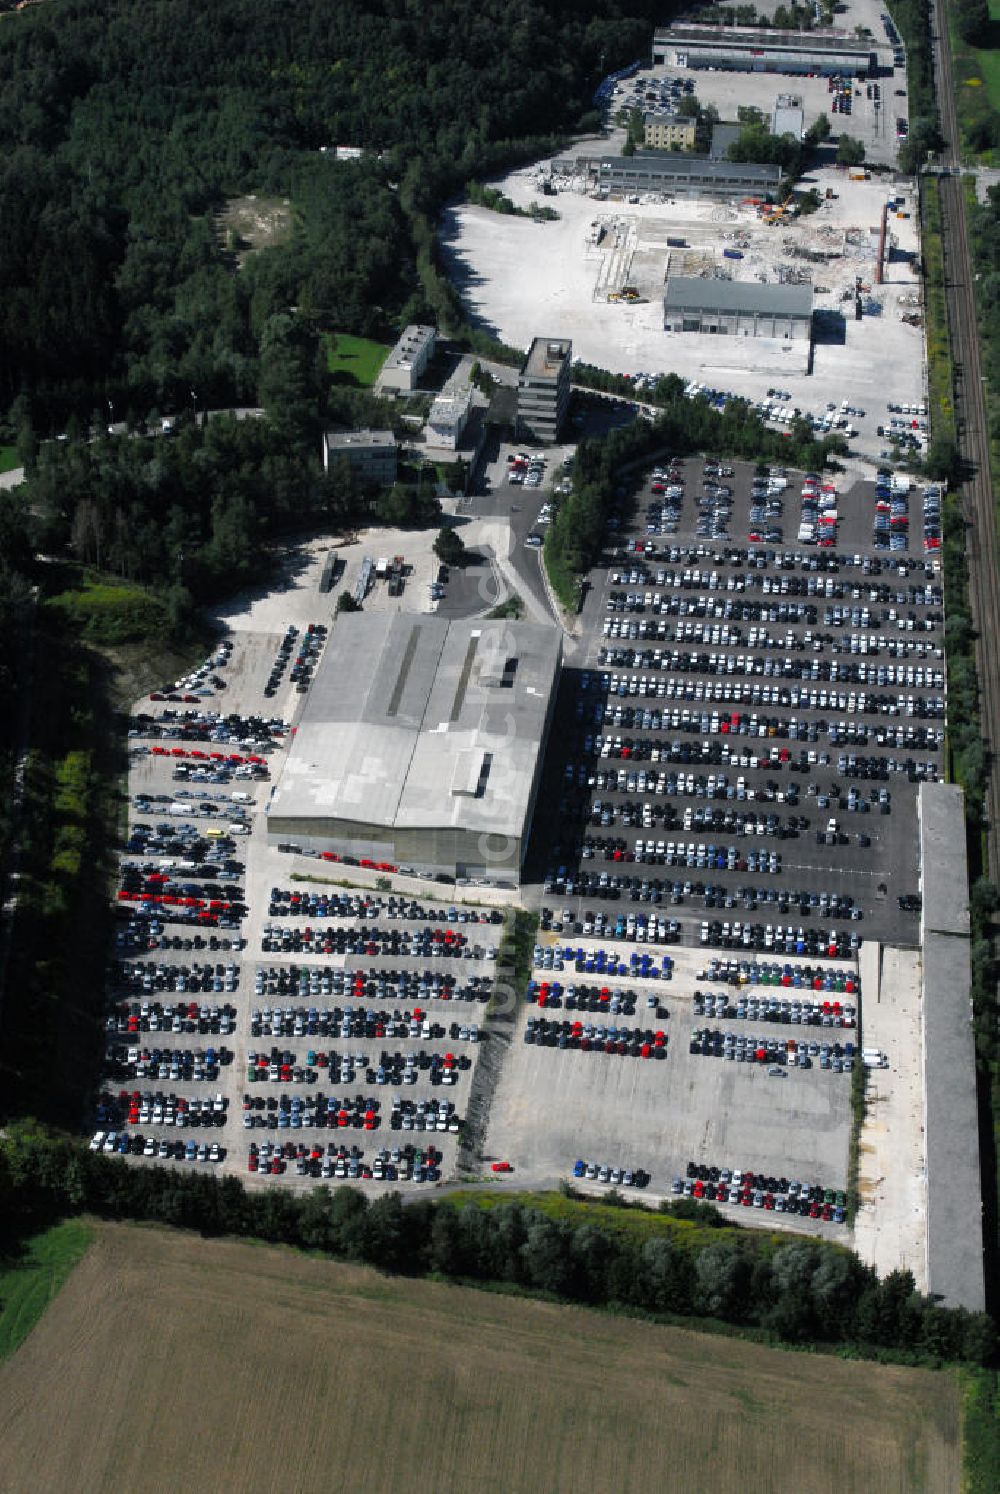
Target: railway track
(976, 493)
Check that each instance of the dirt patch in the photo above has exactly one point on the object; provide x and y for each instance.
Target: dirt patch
(133, 669)
(176, 1362)
(247, 224)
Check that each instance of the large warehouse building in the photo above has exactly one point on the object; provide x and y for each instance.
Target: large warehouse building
(737, 308)
(421, 744)
(749, 49)
(670, 174)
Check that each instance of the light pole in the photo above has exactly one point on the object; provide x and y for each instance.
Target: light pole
(111, 413)
(194, 401)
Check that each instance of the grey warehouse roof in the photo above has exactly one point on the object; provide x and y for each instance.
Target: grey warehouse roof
(954, 1225)
(414, 722)
(692, 293)
(679, 165)
(757, 39)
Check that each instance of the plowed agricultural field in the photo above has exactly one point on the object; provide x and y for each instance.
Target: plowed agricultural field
(168, 1362)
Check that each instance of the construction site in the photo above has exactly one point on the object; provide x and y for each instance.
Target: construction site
(599, 273)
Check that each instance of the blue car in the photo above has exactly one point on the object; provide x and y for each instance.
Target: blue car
(579, 1168)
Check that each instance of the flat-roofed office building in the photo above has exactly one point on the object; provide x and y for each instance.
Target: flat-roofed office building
(407, 360)
(668, 131)
(543, 390)
(372, 454)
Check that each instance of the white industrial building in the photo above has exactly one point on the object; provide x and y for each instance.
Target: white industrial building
(421, 744)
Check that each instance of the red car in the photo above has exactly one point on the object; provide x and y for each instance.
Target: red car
(502, 1167)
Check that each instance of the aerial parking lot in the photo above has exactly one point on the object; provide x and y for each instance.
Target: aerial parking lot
(674, 1104)
(263, 1020)
(744, 733)
(752, 696)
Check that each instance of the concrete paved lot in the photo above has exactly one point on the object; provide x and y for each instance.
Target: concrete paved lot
(553, 1106)
(871, 362)
(890, 1229)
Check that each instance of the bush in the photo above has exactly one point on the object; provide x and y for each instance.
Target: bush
(449, 547)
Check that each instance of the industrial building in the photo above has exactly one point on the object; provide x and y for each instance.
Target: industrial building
(737, 308)
(750, 49)
(543, 390)
(668, 131)
(407, 360)
(954, 1255)
(669, 175)
(421, 744)
(371, 454)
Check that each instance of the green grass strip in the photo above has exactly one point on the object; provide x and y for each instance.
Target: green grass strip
(29, 1282)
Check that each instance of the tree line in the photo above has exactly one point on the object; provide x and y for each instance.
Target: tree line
(800, 1291)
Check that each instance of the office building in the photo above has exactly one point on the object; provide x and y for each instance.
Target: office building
(543, 390)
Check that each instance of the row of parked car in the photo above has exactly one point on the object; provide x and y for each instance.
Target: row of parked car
(771, 560)
(196, 1064)
(746, 1006)
(405, 1164)
(136, 1145)
(613, 1001)
(281, 1066)
(588, 1037)
(154, 1108)
(135, 1017)
(831, 944)
(370, 983)
(348, 1022)
(712, 1042)
(762, 1191)
(291, 903)
(745, 972)
(925, 591)
(153, 975)
(602, 1172)
(601, 962)
(379, 943)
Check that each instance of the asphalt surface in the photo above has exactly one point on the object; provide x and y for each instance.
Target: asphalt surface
(874, 876)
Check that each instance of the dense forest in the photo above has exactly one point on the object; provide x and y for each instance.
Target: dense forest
(125, 125)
